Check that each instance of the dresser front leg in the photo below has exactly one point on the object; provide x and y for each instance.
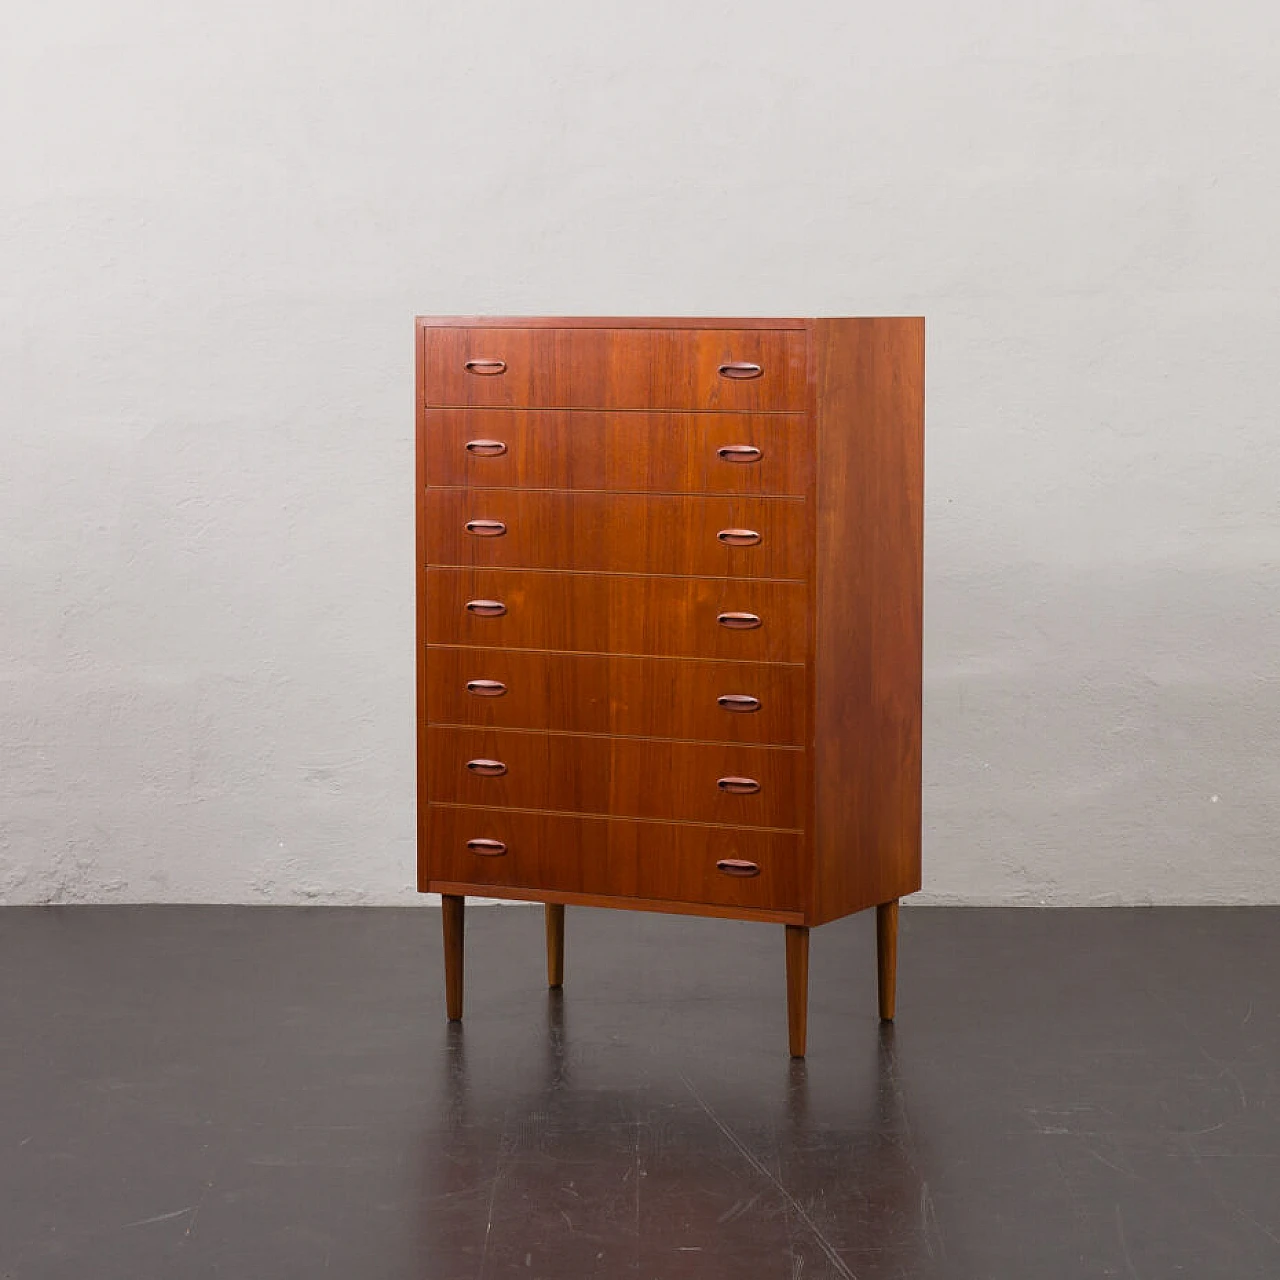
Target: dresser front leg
(797, 986)
(555, 944)
(887, 956)
(453, 907)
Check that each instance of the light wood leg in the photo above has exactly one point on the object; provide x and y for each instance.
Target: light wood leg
(797, 986)
(454, 908)
(887, 956)
(555, 944)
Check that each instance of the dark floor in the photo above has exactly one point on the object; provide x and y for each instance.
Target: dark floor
(262, 1094)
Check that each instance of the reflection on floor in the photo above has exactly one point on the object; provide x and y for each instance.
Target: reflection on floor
(256, 1092)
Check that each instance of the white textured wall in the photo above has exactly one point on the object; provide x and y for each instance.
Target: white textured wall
(218, 221)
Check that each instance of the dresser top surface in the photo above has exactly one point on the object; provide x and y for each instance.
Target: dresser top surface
(624, 322)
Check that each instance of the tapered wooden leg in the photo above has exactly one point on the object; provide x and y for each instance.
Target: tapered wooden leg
(555, 944)
(887, 956)
(797, 986)
(454, 906)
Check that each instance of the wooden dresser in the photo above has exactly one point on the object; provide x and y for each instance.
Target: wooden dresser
(669, 621)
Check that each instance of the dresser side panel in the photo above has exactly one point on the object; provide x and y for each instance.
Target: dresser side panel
(420, 592)
(869, 408)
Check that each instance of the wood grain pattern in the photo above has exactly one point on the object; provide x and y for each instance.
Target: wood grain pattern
(617, 533)
(584, 613)
(640, 451)
(869, 386)
(609, 322)
(631, 697)
(625, 777)
(582, 368)
(612, 857)
(671, 906)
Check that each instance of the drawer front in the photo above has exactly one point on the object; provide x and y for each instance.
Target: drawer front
(613, 857)
(585, 613)
(635, 697)
(618, 532)
(579, 368)
(744, 786)
(658, 452)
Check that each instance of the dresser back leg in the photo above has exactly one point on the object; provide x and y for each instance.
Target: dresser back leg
(453, 907)
(797, 986)
(887, 956)
(555, 944)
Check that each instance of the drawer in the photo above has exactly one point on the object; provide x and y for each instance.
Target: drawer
(581, 368)
(618, 532)
(587, 613)
(613, 857)
(745, 786)
(582, 449)
(636, 697)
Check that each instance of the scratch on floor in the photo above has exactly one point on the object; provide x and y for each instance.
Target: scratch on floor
(1224, 1070)
(1101, 1159)
(639, 1172)
(195, 1210)
(160, 1217)
(1197, 1133)
(826, 1246)
(739, 1208)
(928, 1218)
(1246, 1217)
(488, 1226)
(1124, 1245)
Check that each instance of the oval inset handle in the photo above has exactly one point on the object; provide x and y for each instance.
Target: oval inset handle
(739, 786)
(734, 453)
(738, 702)
(487, 448)
(487, 768)
(486, 608)
(734, 621)
(486, 528)
(740, 369)
(486, 368)
(739, 537)
(737, 867)
(487, 848)
(486, 688)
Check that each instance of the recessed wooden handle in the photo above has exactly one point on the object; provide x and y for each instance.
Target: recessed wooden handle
(487, 448)
(740, 369)
(738, 702)
(739, 786)
(486, 368)
(486, 608)
(486, 528)
(487, 848)
(735, 453)
(735, 621)
(487, 768)
(486, 688)
(739, 537)
(737, 867)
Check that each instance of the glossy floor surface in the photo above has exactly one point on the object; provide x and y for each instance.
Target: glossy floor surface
(274, 1093)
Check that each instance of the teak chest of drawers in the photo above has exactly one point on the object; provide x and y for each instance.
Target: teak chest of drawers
(669, 621)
